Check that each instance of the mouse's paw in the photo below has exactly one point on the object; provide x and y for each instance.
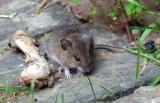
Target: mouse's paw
(67, 73)
(79, 74)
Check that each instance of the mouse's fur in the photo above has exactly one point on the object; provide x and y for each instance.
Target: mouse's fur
(72, 47)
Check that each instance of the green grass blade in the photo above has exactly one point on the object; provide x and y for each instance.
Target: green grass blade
(138, 60)
(154, 13)
(155, 81)
(92, 89)
(144, 28)
(31, 96)
(146, 32)
(55, 100)
(62, 98)
(139, 44)
(12, 89)
(143, 55)
(108, 92)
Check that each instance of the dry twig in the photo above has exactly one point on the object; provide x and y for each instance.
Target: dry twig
(9, 16)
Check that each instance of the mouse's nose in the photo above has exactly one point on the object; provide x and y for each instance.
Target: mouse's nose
(89, 67)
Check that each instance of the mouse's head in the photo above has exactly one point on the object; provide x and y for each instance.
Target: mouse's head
(78, 48)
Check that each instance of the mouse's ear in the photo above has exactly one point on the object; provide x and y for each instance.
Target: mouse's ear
(65, 44)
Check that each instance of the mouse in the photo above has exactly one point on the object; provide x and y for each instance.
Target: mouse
(71, 46)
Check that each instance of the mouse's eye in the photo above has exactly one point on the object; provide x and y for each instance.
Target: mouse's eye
(77, 58)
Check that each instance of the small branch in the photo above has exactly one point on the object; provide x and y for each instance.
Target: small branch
(102, 11)
(125, 21)
(41, 5)
(98, 7)
(9, 16)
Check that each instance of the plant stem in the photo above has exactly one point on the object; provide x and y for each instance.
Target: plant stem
(92, 89)
(125, 21)
(143, 55)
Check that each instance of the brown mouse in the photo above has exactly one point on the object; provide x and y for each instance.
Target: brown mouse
(72, 47)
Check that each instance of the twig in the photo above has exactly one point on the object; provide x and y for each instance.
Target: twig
(98, 7)
(9, 16)
(43, 5)
(46, 6)
(125, 21)
(102, 11)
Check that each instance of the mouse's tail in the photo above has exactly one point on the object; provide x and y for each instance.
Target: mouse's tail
(109, 48)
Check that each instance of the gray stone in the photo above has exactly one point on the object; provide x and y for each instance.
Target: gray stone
(10, 68)
(146, 94)
(113, 71)
(52, 16)
(116, 74)
(8, 27)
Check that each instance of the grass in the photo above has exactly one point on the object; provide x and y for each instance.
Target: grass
(62, 98)
(108, 93)
(138, 60)
(93, 92)
(55, 99)
(139, 43)
(31, 95)
(144, 28)
(155, 81)
(146, 33)
(10, 92)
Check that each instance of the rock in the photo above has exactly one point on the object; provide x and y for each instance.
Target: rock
(8, 27)
(52, 16)
(146, 94)
(116, 74)
(113, 71)
(10, 68)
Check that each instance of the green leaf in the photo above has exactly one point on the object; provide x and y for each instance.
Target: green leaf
(158, 1)
(93, 11)
(128, 9)
(74, 1)
(135, 2)
(133, 8)
(138, 9)
(113, 14)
